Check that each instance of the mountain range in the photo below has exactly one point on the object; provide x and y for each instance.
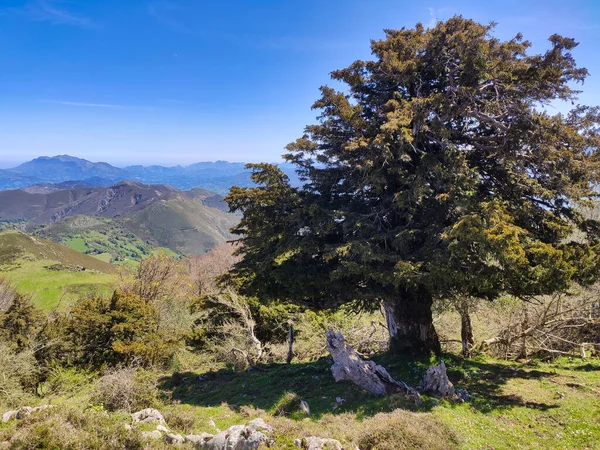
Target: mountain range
(41, 173)
(186, 222)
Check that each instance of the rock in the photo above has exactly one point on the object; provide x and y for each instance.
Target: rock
(163, 429)
(211, 423)
(198, 439)
(128, 427)
(317, 443)
(436, 381)
(9, 415)
(174, 439)
(348, 365)
(462, 394)
(23, 412)
(304, 407)
(152, 434)
(259, 425)
(148, 415)
(238, 437)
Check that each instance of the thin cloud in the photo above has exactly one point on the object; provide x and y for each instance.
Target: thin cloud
(163, 12)
(89, 105)
(49, 11)
(435, 15)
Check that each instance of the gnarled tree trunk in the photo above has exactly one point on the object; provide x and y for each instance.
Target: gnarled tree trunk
(410, 322)
(466, 328)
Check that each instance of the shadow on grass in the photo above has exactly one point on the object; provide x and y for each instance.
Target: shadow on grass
(266, 386)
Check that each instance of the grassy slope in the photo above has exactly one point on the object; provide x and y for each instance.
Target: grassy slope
(31, 263)
(553, 405)
(541, 405)
(105, 239)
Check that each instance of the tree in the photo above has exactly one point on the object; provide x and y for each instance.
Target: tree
(437, 173)
(119, 330)
(20, 323)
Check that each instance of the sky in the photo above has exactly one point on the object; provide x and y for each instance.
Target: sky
(180, 81)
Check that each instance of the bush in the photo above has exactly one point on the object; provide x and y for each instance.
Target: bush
(20, 322)
(69, 429)
(118, 331)
(67, 380)
(182, 420)
(126, 389)
(18, 376)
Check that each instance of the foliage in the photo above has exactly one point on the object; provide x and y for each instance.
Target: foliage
(437, 173)
(18, 375)
(118, 330)
(20, 322)
(72, 429)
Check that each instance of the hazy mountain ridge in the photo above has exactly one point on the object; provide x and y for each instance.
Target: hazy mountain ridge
(158, 215)
(44, 171)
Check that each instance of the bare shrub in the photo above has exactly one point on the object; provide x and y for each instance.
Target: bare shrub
(7, 294)
(126, 389)
(205, 269)
(228, 318)
(158, 277)
(562, 324)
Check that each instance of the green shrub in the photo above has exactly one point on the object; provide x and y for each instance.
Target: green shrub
(118, 331)
(20, 322)
(182, 420)
(67, 380)
(18, 376)
(69, 429)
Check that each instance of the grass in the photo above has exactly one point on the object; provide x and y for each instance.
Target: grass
(515, 405)
(52, 274)
(49, 287)
(551, 405)
(77, 244)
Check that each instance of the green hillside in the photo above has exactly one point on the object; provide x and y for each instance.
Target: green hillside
(104, 239)
(49, 272)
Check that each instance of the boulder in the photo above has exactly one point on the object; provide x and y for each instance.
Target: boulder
(23, 412)
(259, 425)
(198, 439)
(148, 415)
(238, 437)
(152, 434)
(173, 439)
(162, 429)
(9, 415)
(317, 443)
(436, 382)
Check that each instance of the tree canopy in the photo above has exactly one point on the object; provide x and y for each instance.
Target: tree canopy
(439, 171)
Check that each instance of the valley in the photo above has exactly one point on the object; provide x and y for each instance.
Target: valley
(125, 221)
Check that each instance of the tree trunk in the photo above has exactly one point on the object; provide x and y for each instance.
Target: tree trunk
(290, 354)
(410, 322)
(466, 329)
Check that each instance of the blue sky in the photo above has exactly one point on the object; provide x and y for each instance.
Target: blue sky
(179, 81)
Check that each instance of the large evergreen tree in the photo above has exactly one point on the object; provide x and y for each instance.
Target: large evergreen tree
(438, 172)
